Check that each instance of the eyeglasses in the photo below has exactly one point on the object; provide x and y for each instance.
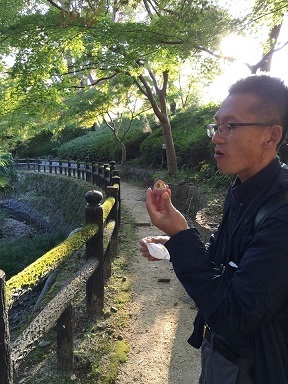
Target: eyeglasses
(225, 129)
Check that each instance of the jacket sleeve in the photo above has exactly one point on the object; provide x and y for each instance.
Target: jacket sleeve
(236, 305)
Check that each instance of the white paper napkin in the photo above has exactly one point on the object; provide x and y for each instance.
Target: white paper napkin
(158, 251)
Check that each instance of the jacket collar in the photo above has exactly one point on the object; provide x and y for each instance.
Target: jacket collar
(244, 192)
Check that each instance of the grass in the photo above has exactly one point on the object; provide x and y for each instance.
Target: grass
(99, 347)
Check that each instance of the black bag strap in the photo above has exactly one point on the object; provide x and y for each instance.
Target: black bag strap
(276, 202)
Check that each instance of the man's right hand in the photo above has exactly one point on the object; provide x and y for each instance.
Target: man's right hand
(163, 214)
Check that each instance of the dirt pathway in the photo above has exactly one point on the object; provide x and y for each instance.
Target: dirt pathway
(161, 321)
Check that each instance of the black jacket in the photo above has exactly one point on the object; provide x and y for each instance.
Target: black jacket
(239, 280)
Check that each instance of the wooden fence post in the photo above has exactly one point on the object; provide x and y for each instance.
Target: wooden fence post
(65, 358)
(106, 180)
(113, 246)
(88, 172)
(102, 176)
(116, 180)
(93, 173)
(78, 171)
(6, 375)
(60, 167)
(98, 174)
(112, 168)
(69, 168)
(95, 248)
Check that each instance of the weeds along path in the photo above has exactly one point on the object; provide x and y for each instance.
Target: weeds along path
(160, 321)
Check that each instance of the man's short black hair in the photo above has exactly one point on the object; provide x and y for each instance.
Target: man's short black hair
(273, 99)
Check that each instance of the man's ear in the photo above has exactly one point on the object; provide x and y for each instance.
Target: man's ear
(275, 136)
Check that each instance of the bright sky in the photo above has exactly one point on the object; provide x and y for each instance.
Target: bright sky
(247, 50)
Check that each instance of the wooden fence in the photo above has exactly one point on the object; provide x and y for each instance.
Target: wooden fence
(97, 173)
(100, 237)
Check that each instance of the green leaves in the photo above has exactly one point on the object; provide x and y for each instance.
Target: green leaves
(76, 61)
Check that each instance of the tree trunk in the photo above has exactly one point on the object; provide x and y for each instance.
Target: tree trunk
(123, 154)
(170, 149)
(166, 127)
(160, 109)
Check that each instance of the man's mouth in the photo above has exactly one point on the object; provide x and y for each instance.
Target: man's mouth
(218, 153)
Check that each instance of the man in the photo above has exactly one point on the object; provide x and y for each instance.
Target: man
(239, 280)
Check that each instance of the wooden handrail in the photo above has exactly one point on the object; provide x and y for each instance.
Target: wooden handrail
(35, 273)
(98, 173)
(102, 175)
(100, 235)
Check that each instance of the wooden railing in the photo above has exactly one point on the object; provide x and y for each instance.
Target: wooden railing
(100, 236)
(97, 173)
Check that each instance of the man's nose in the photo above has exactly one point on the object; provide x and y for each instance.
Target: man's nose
(217, 138)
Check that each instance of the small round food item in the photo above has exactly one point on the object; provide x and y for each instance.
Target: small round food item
(160, 187)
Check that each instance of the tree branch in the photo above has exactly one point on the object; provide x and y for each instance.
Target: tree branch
(141, 89)
(151, 74)
(151, 97)
(57, 6)
(165, 82)
(95, 82)
(147, 6)
(269, 13)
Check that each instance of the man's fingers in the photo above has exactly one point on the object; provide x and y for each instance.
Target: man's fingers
(165, 201)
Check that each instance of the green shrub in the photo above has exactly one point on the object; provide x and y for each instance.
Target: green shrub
(192, 145)
(151, 149)
(45, 143)
(194, 117)
(8, 173)
(97, 146)
(133, 142)
(194, 149)
(38, 146)
(101, 144)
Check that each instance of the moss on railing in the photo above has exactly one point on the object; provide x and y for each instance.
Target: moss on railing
(42, 267)
(107, 206)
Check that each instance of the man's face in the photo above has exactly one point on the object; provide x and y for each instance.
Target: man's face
(243, 153)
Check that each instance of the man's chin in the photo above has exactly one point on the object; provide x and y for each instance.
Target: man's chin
(225, 172)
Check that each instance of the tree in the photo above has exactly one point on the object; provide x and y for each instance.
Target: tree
(268, 13)
(8, 173)
(264, 22)
(126, 107)
(63, 49)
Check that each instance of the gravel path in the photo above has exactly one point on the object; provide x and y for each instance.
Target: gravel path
(161, 319)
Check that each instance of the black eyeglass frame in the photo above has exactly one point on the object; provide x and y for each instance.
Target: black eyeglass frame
(217, 127)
